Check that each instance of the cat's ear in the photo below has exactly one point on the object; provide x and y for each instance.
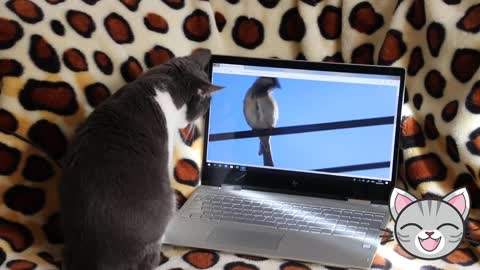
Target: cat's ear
(208, 89)
(460, 199)
(399, 199)
(201, 56)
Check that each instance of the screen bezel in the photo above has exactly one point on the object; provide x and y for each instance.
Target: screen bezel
(301, 183)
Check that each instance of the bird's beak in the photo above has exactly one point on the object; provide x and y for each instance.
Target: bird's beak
(276, 83)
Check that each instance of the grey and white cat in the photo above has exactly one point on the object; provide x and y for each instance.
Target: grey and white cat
(115, 195)
(429, 229)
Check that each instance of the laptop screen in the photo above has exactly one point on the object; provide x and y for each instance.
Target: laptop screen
(315, 122)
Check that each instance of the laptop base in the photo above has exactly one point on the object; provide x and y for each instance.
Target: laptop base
(242, 238)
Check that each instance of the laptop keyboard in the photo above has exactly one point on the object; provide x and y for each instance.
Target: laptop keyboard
(286, 216)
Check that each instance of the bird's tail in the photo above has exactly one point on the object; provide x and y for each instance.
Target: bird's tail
(266, 151)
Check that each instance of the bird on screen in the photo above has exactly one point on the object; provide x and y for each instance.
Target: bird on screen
(261, 112)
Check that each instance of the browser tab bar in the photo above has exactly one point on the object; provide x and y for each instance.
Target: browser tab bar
(302, 75)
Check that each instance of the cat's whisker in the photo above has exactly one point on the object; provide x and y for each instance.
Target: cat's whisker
(387, 241)
(477, 229)
(458, 235)
(385, 230)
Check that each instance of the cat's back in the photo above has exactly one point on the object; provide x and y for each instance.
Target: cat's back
(125, 122)
(124, 142)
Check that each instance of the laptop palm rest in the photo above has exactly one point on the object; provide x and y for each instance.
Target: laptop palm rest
(245, 238)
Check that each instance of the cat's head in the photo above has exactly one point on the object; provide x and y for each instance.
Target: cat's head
(190, 85)
(429, 229)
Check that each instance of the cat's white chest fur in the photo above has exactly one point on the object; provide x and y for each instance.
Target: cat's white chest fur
(176, 118)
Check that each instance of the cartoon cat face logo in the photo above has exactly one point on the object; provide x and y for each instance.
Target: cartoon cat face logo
(429, 229)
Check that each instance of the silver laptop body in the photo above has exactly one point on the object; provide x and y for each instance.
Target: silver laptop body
(334, 154)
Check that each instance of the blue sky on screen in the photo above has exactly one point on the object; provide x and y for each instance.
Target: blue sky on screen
(303, 102)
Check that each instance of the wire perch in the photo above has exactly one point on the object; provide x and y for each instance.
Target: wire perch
(301, 128)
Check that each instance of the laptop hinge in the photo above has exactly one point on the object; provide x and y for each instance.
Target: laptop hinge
(355, 201)
(231, 187)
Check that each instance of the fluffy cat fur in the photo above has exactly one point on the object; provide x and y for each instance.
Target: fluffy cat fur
(115, 195)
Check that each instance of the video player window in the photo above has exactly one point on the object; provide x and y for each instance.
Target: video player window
(286, 123)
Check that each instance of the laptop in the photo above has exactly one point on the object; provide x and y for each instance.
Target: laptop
(299, 161)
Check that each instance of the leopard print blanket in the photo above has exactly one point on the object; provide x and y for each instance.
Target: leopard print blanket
(59, 59)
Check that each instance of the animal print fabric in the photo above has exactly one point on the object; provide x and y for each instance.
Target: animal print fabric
(59, 59)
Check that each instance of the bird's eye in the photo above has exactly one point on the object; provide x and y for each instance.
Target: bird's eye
(447, 224)
(411, 224)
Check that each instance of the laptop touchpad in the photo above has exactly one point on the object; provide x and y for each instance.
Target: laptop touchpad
(246, 238)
